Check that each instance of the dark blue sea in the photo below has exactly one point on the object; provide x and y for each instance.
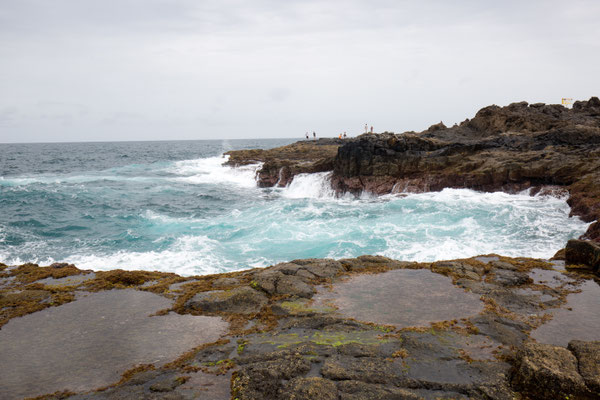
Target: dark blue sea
(172, 206)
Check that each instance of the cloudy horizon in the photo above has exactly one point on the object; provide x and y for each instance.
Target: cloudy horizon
(157, 70)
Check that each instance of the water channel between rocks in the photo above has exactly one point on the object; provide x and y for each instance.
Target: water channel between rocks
(90, 342)
(402, 298)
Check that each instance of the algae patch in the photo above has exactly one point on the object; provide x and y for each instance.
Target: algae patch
(322, 338)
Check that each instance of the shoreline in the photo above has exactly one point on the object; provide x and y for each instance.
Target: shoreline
(508, 149)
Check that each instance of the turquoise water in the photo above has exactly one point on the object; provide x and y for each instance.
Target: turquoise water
(172, 206)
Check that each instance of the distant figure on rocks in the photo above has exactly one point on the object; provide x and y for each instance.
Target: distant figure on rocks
(314, 136)
(340, 136)
(306, 135)
(344, 134)
(366, 129)
(371, 128)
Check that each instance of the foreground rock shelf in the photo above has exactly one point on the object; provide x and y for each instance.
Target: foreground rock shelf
(305, 329)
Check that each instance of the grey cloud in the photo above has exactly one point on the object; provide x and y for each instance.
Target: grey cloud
(8, 115)
(279, 94)
(95, 70)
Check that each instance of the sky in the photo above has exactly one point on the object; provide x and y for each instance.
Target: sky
(91, 70)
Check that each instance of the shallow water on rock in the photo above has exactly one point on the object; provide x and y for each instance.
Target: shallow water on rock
(540, 296)
(401, 298)
(578, 319)
(90, 342)
(72, 280)
(549, 277)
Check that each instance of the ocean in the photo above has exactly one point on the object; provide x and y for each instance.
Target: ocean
(171, 206)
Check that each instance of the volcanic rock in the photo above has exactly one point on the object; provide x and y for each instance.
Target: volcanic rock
(549, 371)
(502, 148)
(241, 300)
(310, 389)
(583, 252)
(275, 282)
(281, 345)
(588, 358)
(510, 148)
(281, 164)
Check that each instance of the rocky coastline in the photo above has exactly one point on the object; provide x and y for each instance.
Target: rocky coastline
(486, 327)
(296, 330)
(521, 146)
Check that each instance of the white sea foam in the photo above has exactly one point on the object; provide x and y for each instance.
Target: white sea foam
(198, 171)
(306, 220)
(310, 186)
(73, 179)
(212, 171)
(189, 255)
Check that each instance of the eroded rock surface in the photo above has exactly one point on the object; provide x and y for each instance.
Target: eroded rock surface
(241, 300)
(552, 372)
(588, 360)
(583, 252)
(282, 343)
(549, 371)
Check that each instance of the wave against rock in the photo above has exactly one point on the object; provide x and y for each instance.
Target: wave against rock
(512, 148)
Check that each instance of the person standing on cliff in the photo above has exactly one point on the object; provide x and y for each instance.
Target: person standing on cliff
(314, 136)
(306, 135)
(344, 134)
(366, 128)
(371, 128)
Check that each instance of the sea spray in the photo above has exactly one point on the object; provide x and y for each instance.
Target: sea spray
(310, 186)
(211, 171)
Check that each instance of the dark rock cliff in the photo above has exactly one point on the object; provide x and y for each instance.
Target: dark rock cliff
(509, 148)
(521, 146)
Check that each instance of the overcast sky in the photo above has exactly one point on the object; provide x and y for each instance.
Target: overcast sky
(87, 70)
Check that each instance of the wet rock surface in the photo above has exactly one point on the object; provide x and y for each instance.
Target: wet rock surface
(401, 298)
(578, 318)
(91, 341)
(283, 341)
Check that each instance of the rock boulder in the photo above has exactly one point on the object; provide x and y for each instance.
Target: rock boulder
(588, 358)
(241, 300)
(548, 372)
(583, 252)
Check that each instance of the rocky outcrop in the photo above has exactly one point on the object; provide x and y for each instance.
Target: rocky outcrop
(281, 164)
(521, 146)
(543, 147)
(240, 300)
(583, 252)
(588, 358)
(549, 371)
(553, 372)
(285, 341)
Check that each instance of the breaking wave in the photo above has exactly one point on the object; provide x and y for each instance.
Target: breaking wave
(196, 216)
